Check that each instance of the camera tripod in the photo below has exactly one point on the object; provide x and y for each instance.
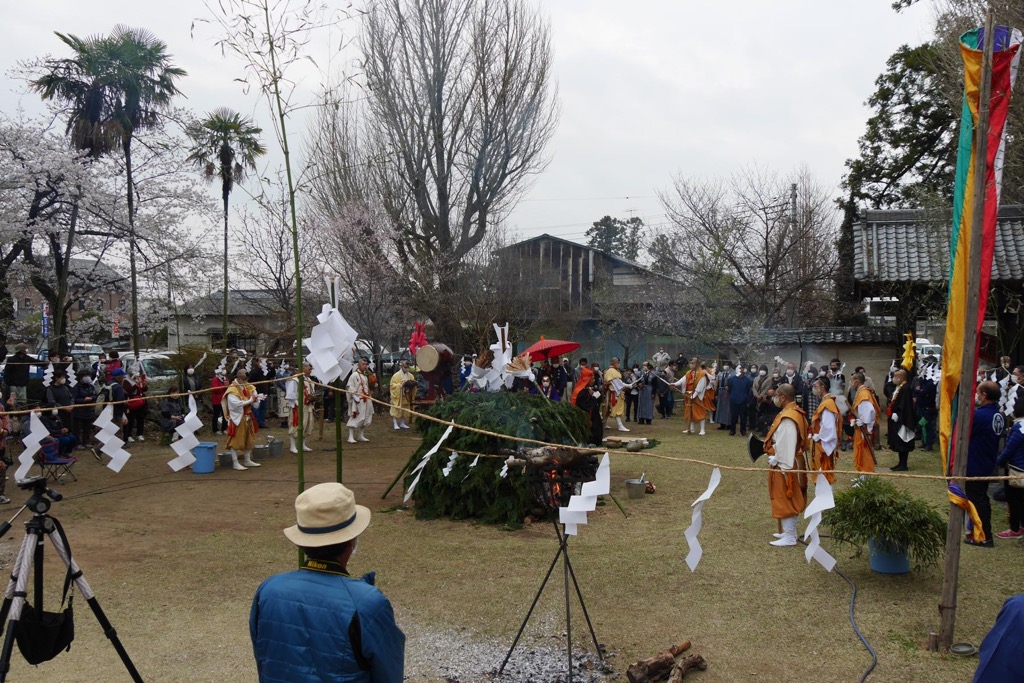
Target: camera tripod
(30, 557)
(569, 573)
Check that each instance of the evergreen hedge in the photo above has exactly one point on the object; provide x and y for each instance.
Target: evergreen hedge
(479, 492)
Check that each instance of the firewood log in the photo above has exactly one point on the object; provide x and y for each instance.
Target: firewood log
(684, 665)
(657, 667)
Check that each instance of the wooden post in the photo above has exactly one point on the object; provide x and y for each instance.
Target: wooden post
(968, 358)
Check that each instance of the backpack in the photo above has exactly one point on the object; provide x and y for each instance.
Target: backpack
(102, 395)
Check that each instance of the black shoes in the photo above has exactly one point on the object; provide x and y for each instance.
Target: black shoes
(984, 544)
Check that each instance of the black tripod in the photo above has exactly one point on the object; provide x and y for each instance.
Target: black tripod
(30, 557)
(563, 552)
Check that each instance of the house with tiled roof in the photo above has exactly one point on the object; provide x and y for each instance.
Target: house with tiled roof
(903, 256)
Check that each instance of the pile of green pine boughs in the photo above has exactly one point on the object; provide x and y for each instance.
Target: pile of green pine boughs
(479, 492)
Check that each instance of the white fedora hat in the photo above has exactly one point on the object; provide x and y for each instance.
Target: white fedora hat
(327, 514)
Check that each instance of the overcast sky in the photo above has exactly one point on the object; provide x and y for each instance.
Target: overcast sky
(648, 89)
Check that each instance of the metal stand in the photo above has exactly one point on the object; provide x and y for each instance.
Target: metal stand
(30, 557)
(563, 552)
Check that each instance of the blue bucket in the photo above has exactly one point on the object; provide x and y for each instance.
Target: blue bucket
(206, 456)
(887, 560)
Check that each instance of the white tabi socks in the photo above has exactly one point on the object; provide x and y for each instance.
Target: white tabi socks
(403, 425)
(234, 461)
(622, 427)
(362, 435)
(351, 435)
(394, 421)
(294, 448)
(702, 427)
(788, 533)
(249, 462)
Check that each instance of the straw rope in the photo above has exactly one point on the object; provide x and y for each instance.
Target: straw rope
(692, 461)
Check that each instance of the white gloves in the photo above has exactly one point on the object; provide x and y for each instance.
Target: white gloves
(859, 423)
(816, 437)
(895, 417)
(772, 461)
(693, 395)
(597, 394)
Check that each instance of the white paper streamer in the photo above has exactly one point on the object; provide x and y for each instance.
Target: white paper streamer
(36, 433)
(451, 463)
(418, 471)
(107, 435)
(187, 431)
(575, 513)
(70, 374)
(697, 521)
(48, 375)
(330, 345)
(200, 361)
(823, 500)
(471, 466)
(504, 469)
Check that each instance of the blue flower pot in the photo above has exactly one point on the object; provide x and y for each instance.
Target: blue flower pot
(888, 560)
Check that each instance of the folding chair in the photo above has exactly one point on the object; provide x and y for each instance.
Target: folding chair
(52, 463)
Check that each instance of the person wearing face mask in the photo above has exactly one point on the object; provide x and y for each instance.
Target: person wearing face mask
(54, 428)
(723, 406)
(190, 382)
(84, 413)
(218, 385)
(863, 417)
(784, 445)
(632, 394)
(824, 430)
(1016, 386)
(739, 392)
(59, 394)
(547, 388)
(793, 377)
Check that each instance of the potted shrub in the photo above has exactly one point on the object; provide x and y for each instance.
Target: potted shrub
(896, 526)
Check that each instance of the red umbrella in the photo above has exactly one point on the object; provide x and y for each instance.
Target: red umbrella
(550, 348)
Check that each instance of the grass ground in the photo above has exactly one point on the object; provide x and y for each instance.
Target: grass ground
(174, 559)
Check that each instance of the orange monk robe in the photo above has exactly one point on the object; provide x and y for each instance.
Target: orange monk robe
(865, 408)
(698, 406)
(586, 377)
(820, 458)
(788, 490)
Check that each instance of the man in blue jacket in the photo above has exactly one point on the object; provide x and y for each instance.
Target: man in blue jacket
(739, 385)
(318, 623)
(983, 449)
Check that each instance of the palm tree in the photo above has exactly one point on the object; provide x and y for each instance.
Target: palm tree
(116, 85)
(225, 145)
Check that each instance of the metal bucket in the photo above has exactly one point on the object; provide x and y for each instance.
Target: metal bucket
(260, 452)
(276, 448)
(636, 488)
(224, 459)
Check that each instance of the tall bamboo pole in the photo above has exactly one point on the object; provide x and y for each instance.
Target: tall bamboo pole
(275, 83)
(969, 354)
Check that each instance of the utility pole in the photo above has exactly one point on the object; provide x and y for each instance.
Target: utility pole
(968, 357)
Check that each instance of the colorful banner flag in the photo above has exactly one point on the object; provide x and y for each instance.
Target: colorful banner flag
(1005, 59)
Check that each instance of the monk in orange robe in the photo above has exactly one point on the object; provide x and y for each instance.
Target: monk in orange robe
(784, 445)
(864, 416)
(824, 430)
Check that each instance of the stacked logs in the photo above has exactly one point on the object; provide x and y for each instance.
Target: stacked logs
(665, 665)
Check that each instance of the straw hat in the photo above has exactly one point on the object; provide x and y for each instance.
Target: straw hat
(327, 514)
